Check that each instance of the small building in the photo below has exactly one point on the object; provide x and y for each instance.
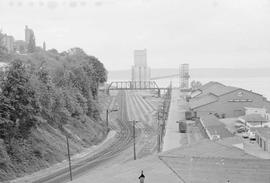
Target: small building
(252, 110)
(225, 101)
(263, 138)
(253, 120)
(260, 111)
(8, 42)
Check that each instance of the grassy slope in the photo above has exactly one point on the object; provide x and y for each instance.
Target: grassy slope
(47, 146)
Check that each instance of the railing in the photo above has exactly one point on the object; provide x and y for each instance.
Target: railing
(134, 85)
(130, 85)
(164, 111)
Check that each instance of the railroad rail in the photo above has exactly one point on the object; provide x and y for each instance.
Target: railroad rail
(124, 140)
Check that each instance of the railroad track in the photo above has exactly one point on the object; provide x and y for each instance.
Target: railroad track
(123, 141)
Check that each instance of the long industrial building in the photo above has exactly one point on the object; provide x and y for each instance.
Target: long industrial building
(224, 101)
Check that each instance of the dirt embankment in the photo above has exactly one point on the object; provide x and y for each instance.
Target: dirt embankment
(47, 144)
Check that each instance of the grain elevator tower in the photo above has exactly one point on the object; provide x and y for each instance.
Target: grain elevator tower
(184, 76)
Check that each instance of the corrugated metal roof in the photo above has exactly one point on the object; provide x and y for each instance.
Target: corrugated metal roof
(219, 90)
(219, 130)
(215, 127)
(209, 84)
(216, 88)
(203, 100)
(211, 91)
(211, 120)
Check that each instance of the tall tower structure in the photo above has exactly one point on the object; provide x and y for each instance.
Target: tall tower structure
(28, 33)
(184, 76)
(140, 71)
(44, 46)
(8, 42)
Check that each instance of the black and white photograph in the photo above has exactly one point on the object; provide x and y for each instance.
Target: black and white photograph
(134, 91)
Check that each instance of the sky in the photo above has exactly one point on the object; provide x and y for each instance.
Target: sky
(203, 33)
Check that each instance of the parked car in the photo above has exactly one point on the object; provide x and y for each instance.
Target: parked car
(245, 135)
(252, 136)
(216, 137)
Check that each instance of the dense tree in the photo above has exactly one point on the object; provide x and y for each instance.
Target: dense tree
(35, 87)
(53, 51)
(77, 51)
(100, 72)
(48, 94)
(18, 105)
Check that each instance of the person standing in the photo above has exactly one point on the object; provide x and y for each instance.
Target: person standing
(142, 177)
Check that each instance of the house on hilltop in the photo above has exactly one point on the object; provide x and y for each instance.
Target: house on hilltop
(224, 101)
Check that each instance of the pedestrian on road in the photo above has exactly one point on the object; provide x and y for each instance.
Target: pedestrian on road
(142, 177)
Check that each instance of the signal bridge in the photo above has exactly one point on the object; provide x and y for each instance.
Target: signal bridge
(135, 85)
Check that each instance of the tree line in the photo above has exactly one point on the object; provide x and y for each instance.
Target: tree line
(48, 87)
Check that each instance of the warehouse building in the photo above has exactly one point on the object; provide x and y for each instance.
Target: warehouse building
(224, 101)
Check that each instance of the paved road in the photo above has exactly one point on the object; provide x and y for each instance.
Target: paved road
(172, 138)
(123, 141)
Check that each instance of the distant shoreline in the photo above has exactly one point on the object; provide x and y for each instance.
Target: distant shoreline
(200, 73)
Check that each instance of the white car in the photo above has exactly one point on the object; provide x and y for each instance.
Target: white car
(245, 135)
(215, 137)
(252, 136)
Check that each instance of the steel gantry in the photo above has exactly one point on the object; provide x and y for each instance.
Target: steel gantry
(134, 85)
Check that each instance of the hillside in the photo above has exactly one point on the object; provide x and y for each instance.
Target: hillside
(46, 96)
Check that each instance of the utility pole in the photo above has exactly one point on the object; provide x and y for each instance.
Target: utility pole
(70, 171)
(134, 137)
(158, 136)
(107, 117)
(161, 125)
(163, 112)
(134, 141)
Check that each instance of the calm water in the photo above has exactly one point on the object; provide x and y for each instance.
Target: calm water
(259, 85)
